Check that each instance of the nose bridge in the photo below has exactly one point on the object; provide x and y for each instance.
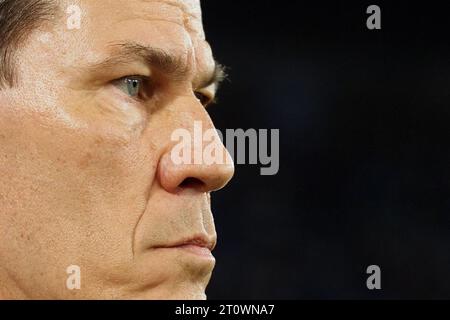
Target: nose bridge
(187, 113)
(195, 157)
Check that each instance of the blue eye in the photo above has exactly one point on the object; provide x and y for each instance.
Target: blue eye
(131, 86)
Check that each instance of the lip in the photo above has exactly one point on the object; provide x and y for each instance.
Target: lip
(195, 249)
(200, 245)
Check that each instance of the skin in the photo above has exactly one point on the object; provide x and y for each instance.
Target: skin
(87, 178)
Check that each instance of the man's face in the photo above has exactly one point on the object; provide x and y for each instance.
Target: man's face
(85, 141)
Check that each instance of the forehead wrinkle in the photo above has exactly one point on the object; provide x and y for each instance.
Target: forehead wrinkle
(189, 16)
(185, 9)
(158, 11)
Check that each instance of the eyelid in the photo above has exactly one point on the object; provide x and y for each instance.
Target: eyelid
(210, 98)
(209, 92)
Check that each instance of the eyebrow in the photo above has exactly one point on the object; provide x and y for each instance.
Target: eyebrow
(166, 62)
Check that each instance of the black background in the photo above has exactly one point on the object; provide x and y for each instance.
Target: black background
(364, 151)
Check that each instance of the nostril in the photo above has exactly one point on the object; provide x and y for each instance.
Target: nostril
(193, 183)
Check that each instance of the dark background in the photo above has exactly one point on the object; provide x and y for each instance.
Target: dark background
(364, 171)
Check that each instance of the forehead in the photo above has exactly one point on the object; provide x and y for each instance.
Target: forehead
(175, 10)
(171, 25)
(147, 16)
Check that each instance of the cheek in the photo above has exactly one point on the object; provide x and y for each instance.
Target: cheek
(98, 147)
(79, 191)
(108, 176)
(111, 113)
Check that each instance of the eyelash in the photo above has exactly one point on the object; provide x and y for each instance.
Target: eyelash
(203, 98)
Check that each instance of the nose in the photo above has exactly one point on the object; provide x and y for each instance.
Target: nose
(190, 163)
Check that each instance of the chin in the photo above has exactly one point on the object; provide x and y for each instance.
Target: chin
(182, 293)
(179, 291)
(171, 296)
(194, 296)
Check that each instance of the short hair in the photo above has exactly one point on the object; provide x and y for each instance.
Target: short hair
(18, 18)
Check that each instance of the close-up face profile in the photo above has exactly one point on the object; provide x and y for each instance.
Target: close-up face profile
(91, 93)
(247, 153)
